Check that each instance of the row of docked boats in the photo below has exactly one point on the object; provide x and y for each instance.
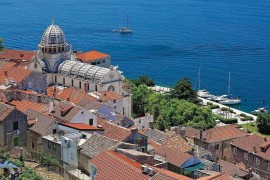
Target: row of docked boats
(224, 99)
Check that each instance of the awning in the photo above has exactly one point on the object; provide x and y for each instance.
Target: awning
(6, 164)
(193, 168)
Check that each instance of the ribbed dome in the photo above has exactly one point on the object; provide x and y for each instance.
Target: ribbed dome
(53, 35)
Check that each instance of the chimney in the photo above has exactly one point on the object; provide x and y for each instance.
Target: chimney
(134, 130)
(254, 149)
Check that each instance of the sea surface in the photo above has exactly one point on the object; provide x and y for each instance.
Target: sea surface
(171, 39)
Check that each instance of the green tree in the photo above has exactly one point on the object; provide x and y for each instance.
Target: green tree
(1, 44)
(29, 173)
(143, 80)
(263, 123)
(140, 96)
(183, 90)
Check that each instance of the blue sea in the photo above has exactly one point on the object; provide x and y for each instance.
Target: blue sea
(171, 38)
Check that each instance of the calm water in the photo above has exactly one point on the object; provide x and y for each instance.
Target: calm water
(171, 38)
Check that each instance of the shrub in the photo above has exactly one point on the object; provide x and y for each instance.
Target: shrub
(227, 121)
(246, 118)
(243, 115)
(214, 106)
(209, 103)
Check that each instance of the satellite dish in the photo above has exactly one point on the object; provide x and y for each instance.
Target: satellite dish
(61, 133)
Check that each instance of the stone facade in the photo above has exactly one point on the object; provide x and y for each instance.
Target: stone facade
(144, 122)
(251, 160)
(52, 147)
(13, 129)
(220, 150)
(35, 81)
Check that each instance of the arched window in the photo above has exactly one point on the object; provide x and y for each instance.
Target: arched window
(72, 83)
(111, 88)
(80, 85)
(55, 79)
(64, 81)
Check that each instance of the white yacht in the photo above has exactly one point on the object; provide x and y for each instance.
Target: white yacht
(260, 110)
(127, 29)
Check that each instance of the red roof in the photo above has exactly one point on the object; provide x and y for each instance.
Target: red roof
(91, 56)
(114, 131)
(112, 165)
(17, 74)
(71, 94)
(254, 144)
(173, 155)
(25, 104)
(223, 133)
(17, 54)
(82, 127)
(166, 174)
(108, 95)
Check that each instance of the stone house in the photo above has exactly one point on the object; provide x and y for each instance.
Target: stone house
(217, 140)
(13, 126)
(254, 152)
(144, 122)
(51, 144)
(132, 136)
(43, 125)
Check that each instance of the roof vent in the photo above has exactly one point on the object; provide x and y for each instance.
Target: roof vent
(151, 172)
(145, 169)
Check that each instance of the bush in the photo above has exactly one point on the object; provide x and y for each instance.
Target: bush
(209, 103)
(246, 118)
(227, 121)
(227, 109)
(243, 115)
(214, 106)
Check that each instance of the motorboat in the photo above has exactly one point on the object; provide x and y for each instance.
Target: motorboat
(230, 101)
(204, 93)
(260, 110)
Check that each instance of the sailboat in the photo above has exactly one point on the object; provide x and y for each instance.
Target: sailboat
(203, 93)
(125, 29)
(229, 100)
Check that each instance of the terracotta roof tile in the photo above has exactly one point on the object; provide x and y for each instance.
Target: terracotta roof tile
(96, 144)
(107, 95)
(89, 104)
(231, 169)
(112, 165)
(220, 176)
(177, 141)
(173, 155)
(252, 142)
(91, 56)
(16, 74)
(168, 175)
(82, 127)
(25, 105)
(71, 94)
(42, 121)
(223, 133)
(192, 132)
(65, 112)
(17, 54)
(114, 131)
(5, 110)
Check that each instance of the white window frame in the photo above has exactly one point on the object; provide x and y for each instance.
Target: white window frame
(246, 156)
(258, 161)
(235, 150)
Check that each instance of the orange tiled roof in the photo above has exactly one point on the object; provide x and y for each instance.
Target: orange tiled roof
(108, 95)
(251, 143)
(17, 54)
(173, 155)
(220, 176)
(114, 131)
(25, 105)
(5, 110)
(177, 141)
(223, 133)
(83, 127)
(168, 175)
(91, 56)
(112, 165)
(71, 94)
(17, 74)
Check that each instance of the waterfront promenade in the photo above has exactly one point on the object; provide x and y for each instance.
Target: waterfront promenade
(217, 111)
(229, 115)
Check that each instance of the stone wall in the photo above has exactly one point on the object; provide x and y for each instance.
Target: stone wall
(35, 81)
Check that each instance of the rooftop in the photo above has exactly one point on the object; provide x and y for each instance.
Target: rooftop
(254, 144)
(10, 75)
(82, 126)
(91, 56)
(106, 95)
(17, 54)
(5, 110)
(112, 165)
(25, 105)
(222, 133)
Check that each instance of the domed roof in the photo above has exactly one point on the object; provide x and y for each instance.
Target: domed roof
(53, 35)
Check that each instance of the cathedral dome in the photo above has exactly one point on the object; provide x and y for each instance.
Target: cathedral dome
(53, 35)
